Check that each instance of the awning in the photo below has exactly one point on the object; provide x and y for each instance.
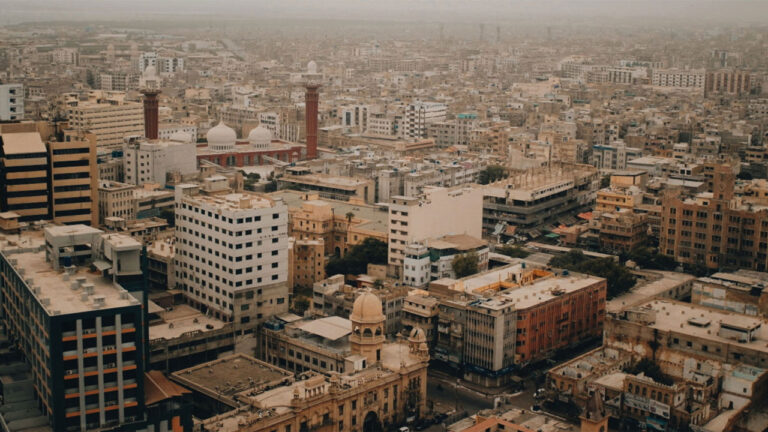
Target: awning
(552, 235)
(102, 265)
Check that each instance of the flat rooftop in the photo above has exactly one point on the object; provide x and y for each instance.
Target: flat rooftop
(22, 142)
(666, 281)
(230, 375)
(546, 289)
(235, 202)
(674, 316)
(182, 319)
(339, 182)
(56, 286)
(373, 218)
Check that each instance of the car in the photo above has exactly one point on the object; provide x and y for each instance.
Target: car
(535, 408)
(404, 429)
(539, 393)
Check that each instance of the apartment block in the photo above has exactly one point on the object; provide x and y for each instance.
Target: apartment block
(493, 323)
(727, 81)
(232, 254)
(115, 201)
(419, 115)
(153, 161)
(74, 180)
(306, 262)
(432, 259)
(678, 78)
(80, 332)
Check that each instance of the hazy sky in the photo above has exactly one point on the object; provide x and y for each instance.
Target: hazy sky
(705, 11)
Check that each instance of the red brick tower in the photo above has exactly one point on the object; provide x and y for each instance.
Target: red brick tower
(311, 99)
(151, 122)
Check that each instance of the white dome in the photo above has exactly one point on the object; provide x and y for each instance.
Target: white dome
(181, 136)
(260, 137)
(312, 67)
(221, 137)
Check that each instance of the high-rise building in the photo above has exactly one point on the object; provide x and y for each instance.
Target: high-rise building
(110, 122)
(24, 175)
(11, 102)
(74, 180)
(80, 332)
(232, 254)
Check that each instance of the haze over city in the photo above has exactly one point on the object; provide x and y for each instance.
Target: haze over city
(369, 216)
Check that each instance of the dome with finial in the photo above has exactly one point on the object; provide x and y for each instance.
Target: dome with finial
(367, 309)
(312, 67)
(260, 137)
(221, 138)
(417, 336)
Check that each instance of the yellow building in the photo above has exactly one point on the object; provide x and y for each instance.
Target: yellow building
(306, 262)
(110, 122)
(24, 174)
(74, 180)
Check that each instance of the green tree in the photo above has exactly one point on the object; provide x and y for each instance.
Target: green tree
(369, 251)
(512, 251)
(647, 257)
(465, 264)
(492, 173)
(271, 186)
(169, 215)
(605, 181)
(618, 278)
(90, 78)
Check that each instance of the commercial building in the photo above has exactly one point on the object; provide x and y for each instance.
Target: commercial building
(614, 156)
(116, 201)
(11, 102)
(742, 292)
(529, 200)
(622, 231)
(80, 332)
(306, 262)
(245, 240)
(74, 180)
(110, 122)
(332, 187)
(495, 322)
(24, 175)
(415, 219)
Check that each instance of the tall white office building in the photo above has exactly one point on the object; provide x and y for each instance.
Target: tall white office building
(232, 253)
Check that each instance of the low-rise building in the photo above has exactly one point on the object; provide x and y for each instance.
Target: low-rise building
(433, 258)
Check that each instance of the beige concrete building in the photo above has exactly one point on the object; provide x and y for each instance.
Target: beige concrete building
(414, 220)
(24, 175)
(74, 181)
(332, 187)
(306, 262)
(110, 122)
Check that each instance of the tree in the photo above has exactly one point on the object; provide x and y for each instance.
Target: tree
(619, 279)
(271, 186)
(465, 264)
(90, 78)
(650, 369)
(492, 173)
(648, 258)
(605, 181)
(369, 251)
(744, 175)
(512, 251)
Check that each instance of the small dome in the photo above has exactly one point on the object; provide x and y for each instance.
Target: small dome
(221, 138)
(312, 67)
(367, 309)
(417, 335)
(260, 137)
(180, 136)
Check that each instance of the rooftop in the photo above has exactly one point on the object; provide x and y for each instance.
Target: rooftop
(235, 202)
(22, 142)
(180, 320)
(230, 375)
(373, 219)
(54, 288)
(665, 282)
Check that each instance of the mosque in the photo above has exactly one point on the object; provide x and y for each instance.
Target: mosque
(258, 148)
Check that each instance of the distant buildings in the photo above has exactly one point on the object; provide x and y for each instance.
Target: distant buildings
(677, 78)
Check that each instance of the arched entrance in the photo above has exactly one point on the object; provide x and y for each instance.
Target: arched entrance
(372, 423)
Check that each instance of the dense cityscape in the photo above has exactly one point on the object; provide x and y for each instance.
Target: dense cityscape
(459, 220)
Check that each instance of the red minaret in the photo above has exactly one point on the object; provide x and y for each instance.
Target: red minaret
(311, 99)
(151, 122)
